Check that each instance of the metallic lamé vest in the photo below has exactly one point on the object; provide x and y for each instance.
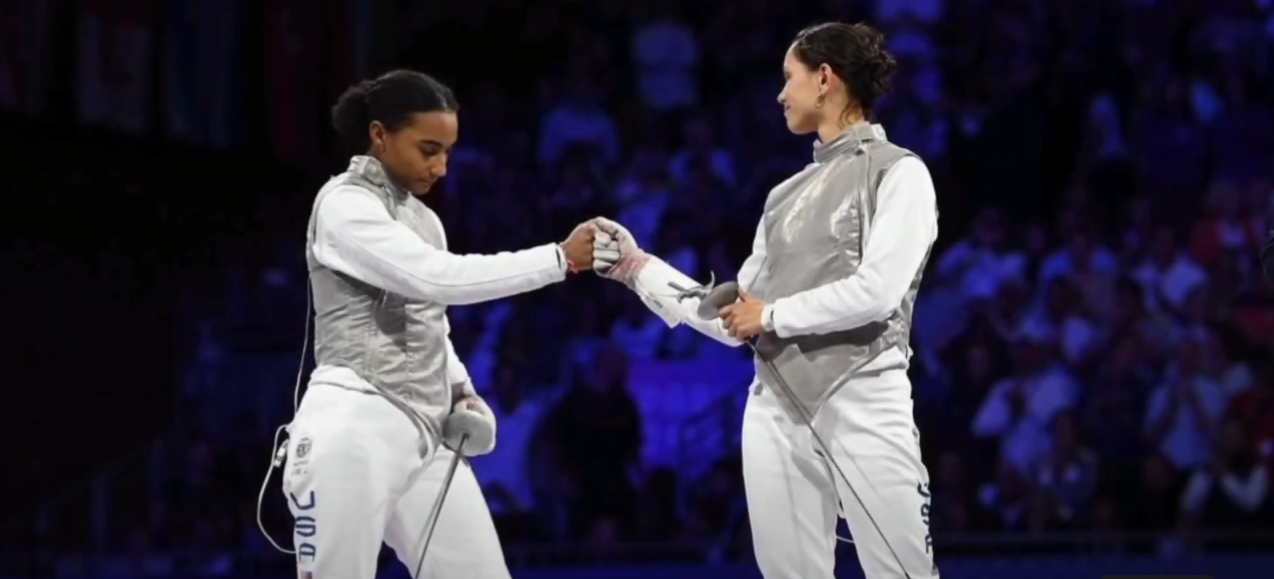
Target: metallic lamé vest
(815, 225)
(396, 344)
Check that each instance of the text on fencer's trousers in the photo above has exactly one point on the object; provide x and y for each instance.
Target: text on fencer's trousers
(305, 527)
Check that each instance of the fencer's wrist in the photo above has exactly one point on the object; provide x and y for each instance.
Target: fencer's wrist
(563, 262)
(630, 266)
(767, 317)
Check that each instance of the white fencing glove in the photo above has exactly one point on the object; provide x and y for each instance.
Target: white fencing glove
(470, 417)
(615, 252)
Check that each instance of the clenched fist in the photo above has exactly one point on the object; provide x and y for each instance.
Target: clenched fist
(578, 248)
(470, 421)
(615, 252)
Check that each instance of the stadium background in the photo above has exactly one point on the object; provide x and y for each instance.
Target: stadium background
(1104, 171)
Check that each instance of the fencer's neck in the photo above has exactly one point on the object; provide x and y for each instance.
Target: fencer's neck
(374, 170)
(832, 127)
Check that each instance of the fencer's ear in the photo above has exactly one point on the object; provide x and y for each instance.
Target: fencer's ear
(376, 131)
(824, 75)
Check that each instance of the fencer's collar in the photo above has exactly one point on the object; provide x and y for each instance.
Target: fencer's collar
(373, 171)
(848, 140)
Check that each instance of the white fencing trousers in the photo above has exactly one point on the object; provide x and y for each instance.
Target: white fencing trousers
(354, 478)
(794, 496)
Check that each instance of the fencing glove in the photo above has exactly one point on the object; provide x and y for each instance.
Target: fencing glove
(615, 253)
(470, 417)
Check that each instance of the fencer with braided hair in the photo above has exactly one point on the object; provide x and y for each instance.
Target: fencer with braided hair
(374, 449)
(827, 294)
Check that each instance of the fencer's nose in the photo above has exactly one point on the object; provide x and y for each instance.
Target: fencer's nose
(439, 169)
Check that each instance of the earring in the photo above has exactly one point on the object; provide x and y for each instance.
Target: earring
(818, 102)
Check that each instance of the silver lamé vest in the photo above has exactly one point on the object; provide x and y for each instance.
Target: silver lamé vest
(396, 344)
(815, 225)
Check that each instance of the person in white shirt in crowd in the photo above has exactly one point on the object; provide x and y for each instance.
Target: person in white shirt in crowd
(578, 119)
(979, 263)
(1168, 274)
(1019, 410)
(1081, 254)
(1233, 491)
(828, 292)
(1091, 268)
(1183, 414)
(389, 402)
(638, 334)
(1062, 319)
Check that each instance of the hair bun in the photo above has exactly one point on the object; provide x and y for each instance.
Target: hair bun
(352, 113)
(366, 87)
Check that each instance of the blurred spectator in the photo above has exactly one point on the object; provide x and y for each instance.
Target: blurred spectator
(657, 517)
(1155, 503)
(980, 263)
(1068, 474)
(1006, 503)
(576, 199)
(1253, 409)
(1062, 319)
(701, 150)
(578, 119)
(715, 501)
(643, 196)
(955, 500)
(1184, 411)
(1114, 413)
(1227, 228)
(505, 476)
(1167, 273)
(1020, 408)
(920, 12)
(596, 434)
(1234, 488)
(665, 53)
(638, 333)
(976, 362)
(1081, 255)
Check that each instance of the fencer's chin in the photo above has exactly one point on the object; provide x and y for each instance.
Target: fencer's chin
(801, 130)
(796, 127)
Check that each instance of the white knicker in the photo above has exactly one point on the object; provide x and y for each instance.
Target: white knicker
(794, 496)
(354, 478)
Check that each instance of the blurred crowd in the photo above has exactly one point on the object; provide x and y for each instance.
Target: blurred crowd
(1093, 342)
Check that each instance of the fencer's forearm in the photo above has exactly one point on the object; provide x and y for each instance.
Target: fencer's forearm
(417, 270)
(903, 230)
(355, 235)
(652, 285)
